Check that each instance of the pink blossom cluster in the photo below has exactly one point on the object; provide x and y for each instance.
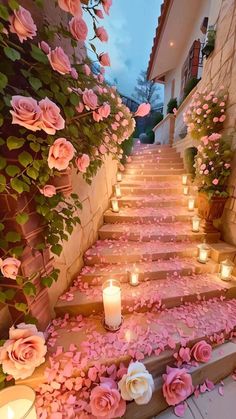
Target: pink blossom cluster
(206, 113)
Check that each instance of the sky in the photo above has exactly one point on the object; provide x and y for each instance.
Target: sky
(131, 27)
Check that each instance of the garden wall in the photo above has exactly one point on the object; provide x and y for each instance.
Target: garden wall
(220, 69)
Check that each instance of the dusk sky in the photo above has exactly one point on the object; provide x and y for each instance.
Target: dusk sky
(131, 27)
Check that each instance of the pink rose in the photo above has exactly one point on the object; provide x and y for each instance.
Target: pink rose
(102, 149)
(104, 59)
(104, 110)
(71, 6)
(23, 351)
(99, 13)
(143, 109)
(215, 100)
(205, 106)
(214, 137)
(198, 111)
(100, 78)
(60, 154)
(222, 104)
(51, 120)
(177, 385)
(44, 47)
(22, 24)
(215, 182)
(215, 119)
(102, 34)
(26, 112)
(90, 99)
(96, 116)
(106, 4)
(59, 61)
(10, 267)
(83, 162)
(222, 118)
(74, 74)
(78, 28)
(201, 351)
(86, 69)
(80, 107)
(48, 191)
(106, 401)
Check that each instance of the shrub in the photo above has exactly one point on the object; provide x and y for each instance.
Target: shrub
(189, 155)
(190, 86)
(171, 105)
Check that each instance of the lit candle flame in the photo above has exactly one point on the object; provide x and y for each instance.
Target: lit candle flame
(10, 413)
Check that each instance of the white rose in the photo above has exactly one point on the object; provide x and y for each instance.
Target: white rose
(137, 384)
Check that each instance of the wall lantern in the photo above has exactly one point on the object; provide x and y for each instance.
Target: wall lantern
(226, 269)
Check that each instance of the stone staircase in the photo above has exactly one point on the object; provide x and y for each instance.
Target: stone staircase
(178, 300)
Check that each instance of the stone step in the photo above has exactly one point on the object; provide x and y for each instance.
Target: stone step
(155, 270)
(154, 165)
(140, 188)
(150, 337)
(153, 201)
(165, 232)
(149, 215)
(109, 251)
(166, 152)
(154, 172)
(168, 293)
(156, 158)
(169, 177)
(141, 146)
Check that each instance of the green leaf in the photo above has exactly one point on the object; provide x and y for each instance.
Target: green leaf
(28, 319)
(74, 99)
(21, 307)
(2, 297)
(25, 158)
(1, 120)
(73, 129)
(38, 54)
(46, 281)
(32, 172)
(22, 218)
(14, 143)
(13, 236)
(3, 12)
(35, 83)
(2, 226)
(61, 98)
(17, 185)
(2, 183)
(12, 170)
(10, 294)
(13, 4)
(3, 81)
(16, 251)
(35, 147)
(29, 289)
(3, 162)
(56, 249)
(12, 53)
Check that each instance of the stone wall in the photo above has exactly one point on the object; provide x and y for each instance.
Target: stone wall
(164, 131)
(95, 200)
(220, 69)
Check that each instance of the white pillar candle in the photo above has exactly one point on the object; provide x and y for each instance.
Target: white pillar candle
(112, 303)
(226, 268)
(119, 176)
(203, 253)
(185, 190)
(196, 224)
(117, 191)
(191, 204)
(134, 277)
(184, 179)
(115, 205)
(17, 402)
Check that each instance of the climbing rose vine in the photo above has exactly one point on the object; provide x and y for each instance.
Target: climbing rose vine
(56, 113)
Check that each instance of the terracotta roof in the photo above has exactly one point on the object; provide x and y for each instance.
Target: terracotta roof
(161, 20)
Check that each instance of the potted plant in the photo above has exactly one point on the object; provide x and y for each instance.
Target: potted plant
(210, 42)
(212, 164)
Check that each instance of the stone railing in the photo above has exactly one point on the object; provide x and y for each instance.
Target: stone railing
(179, 122)
(164, 131)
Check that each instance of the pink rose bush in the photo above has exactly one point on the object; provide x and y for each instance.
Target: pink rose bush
(60, 154)
(206, 113)
(177, 385)
(22, 24)
(106, 401)
(10, 267)
(23, 351)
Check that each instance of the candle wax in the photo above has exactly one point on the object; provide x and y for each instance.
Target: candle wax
(16, 409)
(112, 305)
